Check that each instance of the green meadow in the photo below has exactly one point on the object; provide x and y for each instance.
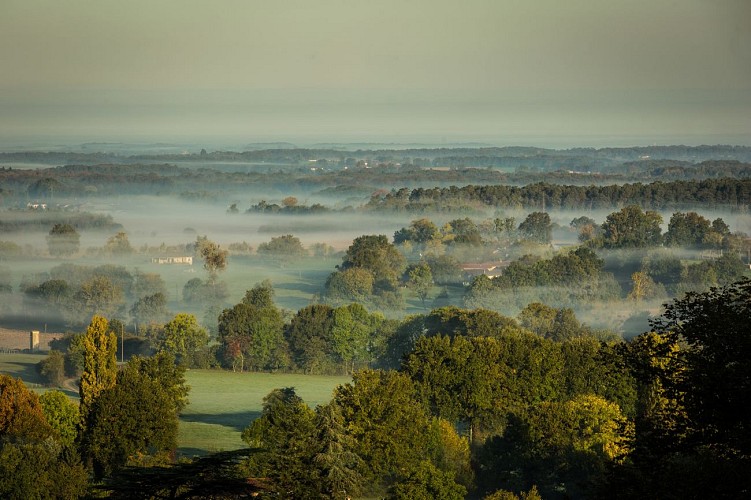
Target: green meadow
(221, 403)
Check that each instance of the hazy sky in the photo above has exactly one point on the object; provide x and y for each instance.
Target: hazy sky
(580, 72)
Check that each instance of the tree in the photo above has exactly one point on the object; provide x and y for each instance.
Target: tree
(537, 227)
(445, 269)
(464, 232)
(135, 420)
(283, 249)
(374, 253)
(214, 257)
(717, 379)
(420, 231)
(632, 228)
(63, 240)
(687, 230)
(52, 368)
(99, 363)
(426, 482)
(420, 280)
(255, 333)
(261, 295)
(354, 284)
(387, 423)
(309, 337)
(119, 245)
(21, 416)
(150, 309)
(565, 448)
(338, 465)
(62, 415)
(643, 287)
(351, 334)
(97, 296)
(34, 459)
(183, 338)
(145, 284)
(286, 432)
(40, 470)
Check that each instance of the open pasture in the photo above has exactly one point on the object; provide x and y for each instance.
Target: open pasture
(223, 403)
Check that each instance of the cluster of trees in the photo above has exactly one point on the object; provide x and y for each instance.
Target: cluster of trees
(631, 227)
(371, 270)
(568, 418)
(69, 294)
(53, 448)
(254, 335)
(480, 404)
(569, 277)
(424, 235)
(726, 192)
(289, 206)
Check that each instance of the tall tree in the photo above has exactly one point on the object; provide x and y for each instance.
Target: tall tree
(99, 363)
(134, 422)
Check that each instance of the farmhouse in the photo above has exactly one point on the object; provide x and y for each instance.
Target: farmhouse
(186, 260)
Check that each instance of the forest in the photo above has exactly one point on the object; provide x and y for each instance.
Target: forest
(513, 322)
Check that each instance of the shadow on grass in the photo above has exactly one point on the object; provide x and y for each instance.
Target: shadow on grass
(236, 421)
(25, 371)
(300, 286)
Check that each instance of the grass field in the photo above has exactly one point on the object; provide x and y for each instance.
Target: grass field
(221, 404)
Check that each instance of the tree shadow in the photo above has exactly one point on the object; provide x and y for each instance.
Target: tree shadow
(236, 421)
(26, 372)
(305, 287)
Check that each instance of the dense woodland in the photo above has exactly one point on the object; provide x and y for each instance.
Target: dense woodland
(498, 347)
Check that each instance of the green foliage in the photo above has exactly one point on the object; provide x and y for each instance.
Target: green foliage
(354, 284)
(687, 230)
(565, 448)
(352, 335)
(388, 425)
(40, 470)
(632, 228)
(374, 253)
(285, 430)
(537, 227)
(128, 423)
(283, 249)
(253, 333)
(52, 368)
(309, 338)
(99, 363)
(186, 340)
(98, 296)
(62, 415)
(420, 280)
(35, 461)
(426, 482)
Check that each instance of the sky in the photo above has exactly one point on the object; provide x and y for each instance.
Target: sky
(534, 72)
